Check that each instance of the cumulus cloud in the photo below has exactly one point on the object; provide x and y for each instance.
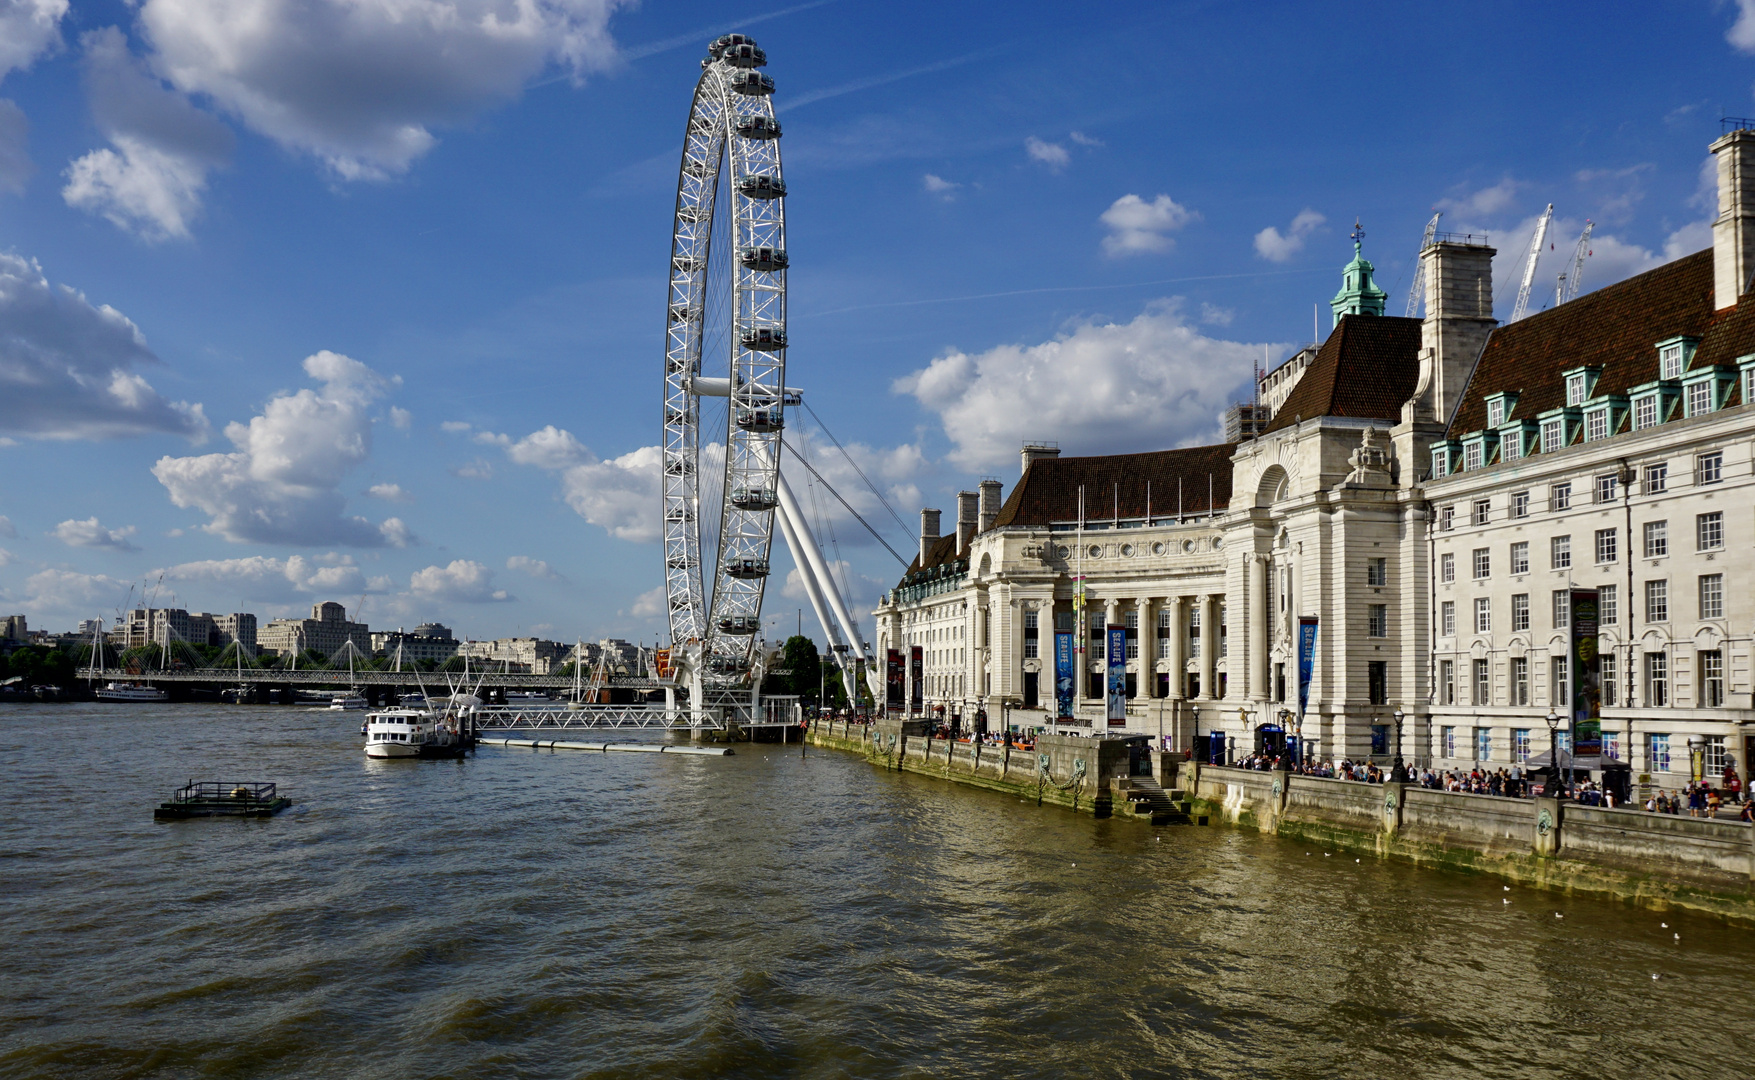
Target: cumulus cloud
(1482, 203)
(5, 557)
(15, 163)
(151, 182)
(1101, 387)
(270, 580)
(1275, 246)
(462, 581)
(388, 492)
(1741, 35)
(536, 568)
(67, 366)
(1138, 227)
(361, 84)
(1609, 258)
(89, 533)
(400, 419)
(1050, 154)
(69, 595)
(619, 495)
(1085, 140)
(938, 185)
(650, 603)
(7, 530)
(1213, 315)
(280, 484)
(479, 469)
(28, 29)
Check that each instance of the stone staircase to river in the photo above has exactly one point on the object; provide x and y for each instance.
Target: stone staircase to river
(1148, 799)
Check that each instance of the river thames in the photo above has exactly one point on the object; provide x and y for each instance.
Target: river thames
(563, 914)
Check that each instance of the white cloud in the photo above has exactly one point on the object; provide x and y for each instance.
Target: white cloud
(536, 568)
(1137, 227)
(89, 533)
(280, 485)
(1484, 203)
(938, 185)
(389, 492)
(1275, 246)
(1085, 140)
(650, 603)
(5, 557)
(479, 469)
(1692, 237)
(397, 534)
(360, 84)
(28, 29)
(455, 427)
(400, 419)
(66, 366)
(1100, 388)
(70, 595)
(619, 495)
(152, 182)
(260, 578)
(15, 164)
(7, 529)
(463, 581)
(1213, 315)
(1741, 35)
(1050, 154)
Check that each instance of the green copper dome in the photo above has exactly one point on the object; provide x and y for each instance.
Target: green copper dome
(1359, 295)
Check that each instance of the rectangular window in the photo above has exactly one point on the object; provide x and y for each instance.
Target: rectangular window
(1520, 680)
(1483, 563)
(1032, 647)
(1163, 633)
(1657, 479)
(1608, 605)
(1670, 362)
(1520, 744)
(1560, 497)
(1709, 468)
(1483, 684)
(1495, 412)
(1447, 618)
(1446, 518)
(1447, 685)
(1520, 557)
(1575, 389)
(1657, 679)
(1553, 435)
(1483, 744)
(1440, 463)
(1511, 445)
(1709, 531)
(1224, 634)
(1700, 398)
(1562, 609)
(1560, 689)
(1712, 596)
(1377, 620)
(1712, 678)
(1377, 680)
(1520, 611)
(1657, 539)
(1606, 670)
(1447, 567)
(1657, 752)
(1715, 755)
(1377, 571)
(1560, 553)
(1520, 504)
(1447, 741)
(1194, 632)
(1749, 386)
(1606, 546)
(1657, 601)
(1645, 412)
(1472, 456)
(1481, 512)
(1608, 488)
(1483, 615)
(1596, 425)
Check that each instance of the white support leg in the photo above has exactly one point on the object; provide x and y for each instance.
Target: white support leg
(789, 508)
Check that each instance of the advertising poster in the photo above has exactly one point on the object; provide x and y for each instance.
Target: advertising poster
(1115, 651)
(916, 681)
(1587, 690)
(661, 664)
(1063, 673)
(893, 680)
(1306, 659)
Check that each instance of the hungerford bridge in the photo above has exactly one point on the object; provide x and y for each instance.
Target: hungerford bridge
(726, 297)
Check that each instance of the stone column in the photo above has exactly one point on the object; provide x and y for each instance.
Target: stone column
(977, 653)
(1147, 677)
(1178, 651)
(1209, 645)
(1255, 667)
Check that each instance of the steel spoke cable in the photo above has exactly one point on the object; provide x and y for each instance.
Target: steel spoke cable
(856, 515)
(869, 485)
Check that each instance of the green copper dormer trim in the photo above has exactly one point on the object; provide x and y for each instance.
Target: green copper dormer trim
(1682, 348)
(1359, 295)
(1580, 383)
(1500, 406)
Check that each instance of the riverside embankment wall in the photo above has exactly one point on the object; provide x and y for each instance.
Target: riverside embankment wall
(1658, 859)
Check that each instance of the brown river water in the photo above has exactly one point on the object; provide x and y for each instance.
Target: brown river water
(562, 914)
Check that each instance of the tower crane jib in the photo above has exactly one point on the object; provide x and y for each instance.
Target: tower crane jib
(1417, 290)
(1567, 287)
(1530, 260)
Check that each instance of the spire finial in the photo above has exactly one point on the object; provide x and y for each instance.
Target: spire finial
(1358, 236)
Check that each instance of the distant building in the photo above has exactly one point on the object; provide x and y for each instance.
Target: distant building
(327, 631)
(1246, 420)
(12, 628)
(88, 627)
(522, 655)
(434, 630)
(416, 646)
(162, 625)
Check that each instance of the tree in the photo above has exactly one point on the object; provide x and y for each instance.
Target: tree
(800, 661)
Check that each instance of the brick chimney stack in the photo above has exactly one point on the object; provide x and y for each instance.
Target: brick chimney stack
(1733, 233)
(1459, 316)
(928, 533)
(990, 503)
(968, 504)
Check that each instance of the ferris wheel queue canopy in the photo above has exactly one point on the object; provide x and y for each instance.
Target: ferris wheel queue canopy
(731, 120)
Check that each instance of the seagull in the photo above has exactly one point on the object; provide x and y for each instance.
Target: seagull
(1557, 915)
(1654, 975)
(1507, 888)
(1678, 937)
(1505, 901)
(1665, 925)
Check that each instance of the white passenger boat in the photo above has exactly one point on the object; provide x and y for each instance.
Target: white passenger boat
(422, 733)
(348, 702)
(117, 691)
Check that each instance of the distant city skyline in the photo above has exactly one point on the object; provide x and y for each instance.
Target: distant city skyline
(263, 345)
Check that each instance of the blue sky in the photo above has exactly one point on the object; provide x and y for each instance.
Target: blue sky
(301, 301)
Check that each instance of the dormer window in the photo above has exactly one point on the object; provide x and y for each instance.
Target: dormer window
(1471, 455)
(1553, 435)
(1575, 388)
(1699, 399)
(1511, 445)
(1596, 424)
(1495, 412)
(1670, 361)
(1645, 412)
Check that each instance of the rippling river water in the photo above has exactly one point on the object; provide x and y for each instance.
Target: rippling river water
(563, 914)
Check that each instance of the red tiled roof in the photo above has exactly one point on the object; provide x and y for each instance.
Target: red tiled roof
(1367, 368)
(1616, 328)
(1117, 486)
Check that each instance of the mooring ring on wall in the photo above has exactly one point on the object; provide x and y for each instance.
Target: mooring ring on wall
(1544, 822)
(1389, 805)
(1277, 789)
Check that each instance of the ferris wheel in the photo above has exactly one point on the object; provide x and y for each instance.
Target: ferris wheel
(727, 292)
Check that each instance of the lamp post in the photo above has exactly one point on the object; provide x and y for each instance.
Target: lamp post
(1554, 743)
(1400, 773)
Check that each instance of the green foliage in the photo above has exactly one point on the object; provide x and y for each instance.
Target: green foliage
(39, 666)
(800, 661)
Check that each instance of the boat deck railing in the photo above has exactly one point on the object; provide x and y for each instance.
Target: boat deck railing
(220, 790)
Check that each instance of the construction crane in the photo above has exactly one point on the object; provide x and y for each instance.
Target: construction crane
(1417, 291)
(1566, 287)
(1529, 268)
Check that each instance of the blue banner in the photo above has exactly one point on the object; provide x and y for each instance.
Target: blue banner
(1306, 659)
(1115, 651)
(1063, 673)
